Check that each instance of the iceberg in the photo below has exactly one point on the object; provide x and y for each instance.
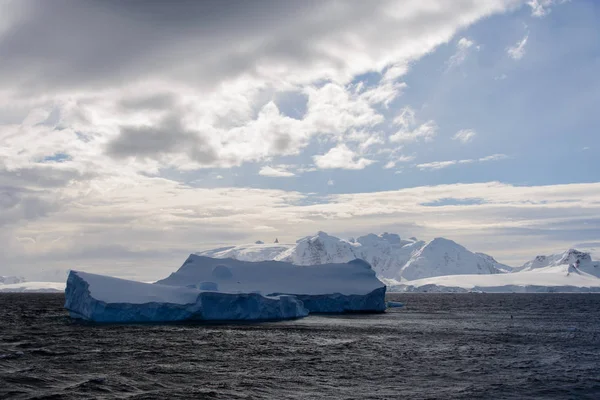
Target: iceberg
(210, 289)
(325, 288)
(101, 298)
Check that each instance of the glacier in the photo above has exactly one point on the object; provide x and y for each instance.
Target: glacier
(106, 299)
(208, 289)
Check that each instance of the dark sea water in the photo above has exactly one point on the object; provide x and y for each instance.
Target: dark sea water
(448, 346)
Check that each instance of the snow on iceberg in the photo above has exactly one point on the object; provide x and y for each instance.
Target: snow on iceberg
(106, 299)
(326, 288)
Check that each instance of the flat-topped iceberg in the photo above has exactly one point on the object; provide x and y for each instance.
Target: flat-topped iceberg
(209, 289)
(106, 299)
(326, 288)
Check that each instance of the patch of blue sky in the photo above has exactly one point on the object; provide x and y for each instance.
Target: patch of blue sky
(57, 158)
(449, 201)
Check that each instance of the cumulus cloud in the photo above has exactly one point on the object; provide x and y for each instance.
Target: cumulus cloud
(279, 172)
(203, 112)
(517, 51)
(341, 157)
(464, 135)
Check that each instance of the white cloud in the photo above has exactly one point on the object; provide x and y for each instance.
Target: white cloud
(425, 132)
(330, 182)
(494, 157)
(384, 93)
(463, 47)
(275, 172)
(540, 8)
(214, 96)
(341, 157)
(406, 118)
(517, 51)
(464, 135)
(409, 130)
(435, 165)
(398, 159)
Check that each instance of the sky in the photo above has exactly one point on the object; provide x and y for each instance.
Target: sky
(134, 133)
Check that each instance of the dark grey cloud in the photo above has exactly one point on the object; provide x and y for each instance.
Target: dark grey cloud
(167, 137)
(42, 176)
(66, 43)
(18, 204)
(157, 101)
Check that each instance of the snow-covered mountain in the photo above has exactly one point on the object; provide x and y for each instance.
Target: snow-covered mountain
(390, 256)
(9, 280)
(441, 257)
(575, 259)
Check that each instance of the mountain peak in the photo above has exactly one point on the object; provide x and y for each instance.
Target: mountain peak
(443, 242)
(582, 260)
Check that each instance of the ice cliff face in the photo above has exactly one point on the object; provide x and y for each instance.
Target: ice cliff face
(390, 256)
(575, 259)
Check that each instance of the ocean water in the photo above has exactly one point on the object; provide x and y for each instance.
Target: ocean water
(449, 346)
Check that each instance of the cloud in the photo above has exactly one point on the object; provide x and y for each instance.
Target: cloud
(432, 166)
(398, 159)
(517, 51)
(341, 157)
(463, 47)
(73, 40)
(493, 157)
(405, 118)
(409, 130)
(425, 132)
(330, 182)
(150, 110)
(275, 172)
(464, 135)
(436, 165)
(384, 93)
(169, 136)
(540, 8)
